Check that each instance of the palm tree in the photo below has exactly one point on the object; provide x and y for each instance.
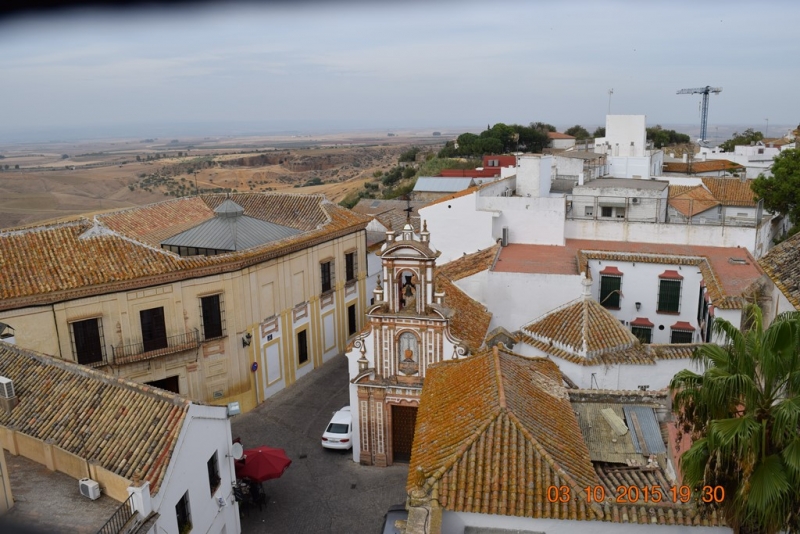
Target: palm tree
(743, 414)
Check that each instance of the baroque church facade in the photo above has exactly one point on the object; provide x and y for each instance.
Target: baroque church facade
(408, 329)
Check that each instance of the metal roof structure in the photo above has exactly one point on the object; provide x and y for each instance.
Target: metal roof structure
(607, 444)
(230, 230)
(440, 184)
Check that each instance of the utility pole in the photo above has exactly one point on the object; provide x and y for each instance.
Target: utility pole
(196, 191)
(610, 92)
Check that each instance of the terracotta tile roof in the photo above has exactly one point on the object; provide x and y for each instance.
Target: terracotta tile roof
(782, 265)
(583, 328)
(119, 251)
(510, 435)
(731, 191)
(471, 319)
(390, 212)
(121, 425)
(727, 280)
(692, 201)
(462, 193)
(675, 190)
(469, 264)
(703, 166)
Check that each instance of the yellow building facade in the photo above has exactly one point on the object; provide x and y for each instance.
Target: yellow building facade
(217, 327)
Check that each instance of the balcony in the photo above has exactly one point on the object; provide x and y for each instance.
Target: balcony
(147, 350)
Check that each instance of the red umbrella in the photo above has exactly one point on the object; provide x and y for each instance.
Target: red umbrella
(262, 463)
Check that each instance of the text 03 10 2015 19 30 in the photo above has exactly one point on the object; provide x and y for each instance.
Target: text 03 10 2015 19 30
(637, 494)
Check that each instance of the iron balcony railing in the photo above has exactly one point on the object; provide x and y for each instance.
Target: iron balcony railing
(121, 517)
(139, 351)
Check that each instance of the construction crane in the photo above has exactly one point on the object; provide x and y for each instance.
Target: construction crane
(705, 91)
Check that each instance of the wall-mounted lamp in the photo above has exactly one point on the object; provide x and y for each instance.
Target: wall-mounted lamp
(247, 339)
(638, 306)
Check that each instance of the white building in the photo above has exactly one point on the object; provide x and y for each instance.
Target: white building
(625, 146)
(756, 158)
(166, 459)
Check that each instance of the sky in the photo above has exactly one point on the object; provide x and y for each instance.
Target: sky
(302, 66)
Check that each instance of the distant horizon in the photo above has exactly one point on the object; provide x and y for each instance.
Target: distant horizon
(305, 128)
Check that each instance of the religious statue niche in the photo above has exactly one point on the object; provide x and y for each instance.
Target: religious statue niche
(408, 290)
(408, 353)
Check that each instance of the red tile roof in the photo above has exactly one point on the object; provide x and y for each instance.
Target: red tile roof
(782, 265)
(559, 135)
(727, 281)
(702, 166)
(510, 434)
(123, 426)
(583, 328)
(469, 264)
(120, 251)
(731, 191)
(692, 201)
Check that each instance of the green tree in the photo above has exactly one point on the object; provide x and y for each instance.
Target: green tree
(743, 414)
(578, 132)
(661, 137)
(600, 131)
(781, 191)
(745, 138)
(409, 155)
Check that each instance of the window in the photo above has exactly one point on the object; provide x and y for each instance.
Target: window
(606, 211)
(681, 336)
(88, 345)
(326, 272)
(183, 514)
(352, 324)
(669, 296)
(609, 291)
(643, 333)
(350, 266)
(302, 347)
(154, 330)
(620, 212)
(213, 472)
(709, 332)
(588, 211)
(212, 316)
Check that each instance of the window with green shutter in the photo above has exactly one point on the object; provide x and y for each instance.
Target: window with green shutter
(669, 296)
(609, 291)
(643, 333)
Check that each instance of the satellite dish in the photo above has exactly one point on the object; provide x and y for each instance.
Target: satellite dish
(237, 451)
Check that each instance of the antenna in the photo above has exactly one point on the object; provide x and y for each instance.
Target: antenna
(610, 92)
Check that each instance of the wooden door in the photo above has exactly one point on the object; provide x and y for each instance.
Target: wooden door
(404, 419)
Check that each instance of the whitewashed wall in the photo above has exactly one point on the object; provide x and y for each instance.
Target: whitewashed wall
(530, 220)
(534, 175)
(516, 299)
(640, 283)
(206, 431)
(456, 522)
(681, 234)
(616, 377)
(457, 228)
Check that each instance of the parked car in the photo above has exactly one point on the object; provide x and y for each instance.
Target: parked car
(395, 513)
(339, 433)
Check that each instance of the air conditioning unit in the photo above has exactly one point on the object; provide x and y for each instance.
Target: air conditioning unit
(634, 200)
(89, 488)
(6, 388)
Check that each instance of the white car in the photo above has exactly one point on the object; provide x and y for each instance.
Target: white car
(339, 434)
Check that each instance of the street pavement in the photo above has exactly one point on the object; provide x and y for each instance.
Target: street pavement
(322, 491)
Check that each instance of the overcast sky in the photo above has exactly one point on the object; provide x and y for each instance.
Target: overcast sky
(418, 64)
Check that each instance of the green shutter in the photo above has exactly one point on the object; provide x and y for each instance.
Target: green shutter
(609, 291)
(669, 296)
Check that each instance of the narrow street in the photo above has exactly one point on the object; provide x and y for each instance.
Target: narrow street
(323, 491)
